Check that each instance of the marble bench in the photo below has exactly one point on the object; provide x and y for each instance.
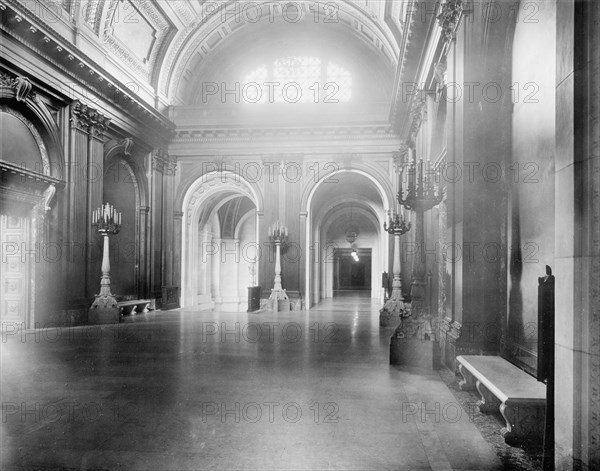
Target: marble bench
(503, 387)
(127, 307)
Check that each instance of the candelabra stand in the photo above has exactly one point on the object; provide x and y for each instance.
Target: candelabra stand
(421, 195)
(395, 305)
(278, 235)
(105, 310)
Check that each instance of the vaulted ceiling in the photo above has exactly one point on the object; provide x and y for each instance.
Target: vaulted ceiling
(166, 44)
(147, 56)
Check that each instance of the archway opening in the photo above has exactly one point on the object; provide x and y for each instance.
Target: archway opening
(220, 250)
(120, 189)
(345, 226)
(23, 206)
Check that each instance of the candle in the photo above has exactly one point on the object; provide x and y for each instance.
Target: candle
(400, 179)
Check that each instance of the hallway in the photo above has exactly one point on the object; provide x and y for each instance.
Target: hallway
(207, 390)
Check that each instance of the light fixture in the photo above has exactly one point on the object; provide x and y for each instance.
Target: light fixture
(354, 255)
(351, 231)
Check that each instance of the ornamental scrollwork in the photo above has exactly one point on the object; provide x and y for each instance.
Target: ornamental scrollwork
(21, 85)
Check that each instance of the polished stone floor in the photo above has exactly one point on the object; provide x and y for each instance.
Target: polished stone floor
(183, 390)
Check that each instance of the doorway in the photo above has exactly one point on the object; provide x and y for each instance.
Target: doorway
(15, 269)
(351, 270)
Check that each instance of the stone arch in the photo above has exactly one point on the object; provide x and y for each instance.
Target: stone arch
(384, 188)
(121, 169)
(198, 190)
(29, 211)
(17, 95)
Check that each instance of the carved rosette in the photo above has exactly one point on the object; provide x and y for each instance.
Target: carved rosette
(88, 119)
(449, 18)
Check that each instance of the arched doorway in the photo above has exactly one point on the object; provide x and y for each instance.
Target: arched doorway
(219, 242)
(30, 174)
(346, 210)
(121, 188)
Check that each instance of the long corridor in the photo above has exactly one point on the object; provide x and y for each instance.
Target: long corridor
(183, 390)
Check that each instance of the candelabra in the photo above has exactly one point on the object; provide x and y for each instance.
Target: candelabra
(396, 226)
(105, 310)
(278, 235)
(422, 194)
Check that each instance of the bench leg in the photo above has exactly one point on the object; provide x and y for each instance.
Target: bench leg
(142, 307)
(468, 381)
(488, 402)
(126, 310)
(524, 423)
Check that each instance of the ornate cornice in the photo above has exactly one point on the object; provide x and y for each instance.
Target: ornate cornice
(26, 175)
(246, 134)
(418, 25)
(88, 119)
(25, 27)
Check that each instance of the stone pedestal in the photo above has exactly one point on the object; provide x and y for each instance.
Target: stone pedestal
(104, 311)
(414, 345)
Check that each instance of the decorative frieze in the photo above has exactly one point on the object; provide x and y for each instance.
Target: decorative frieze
(233, 134)
(88, 119)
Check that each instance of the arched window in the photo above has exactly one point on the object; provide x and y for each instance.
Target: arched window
(298, 79)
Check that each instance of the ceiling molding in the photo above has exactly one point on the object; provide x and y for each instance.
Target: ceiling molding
(25, 27)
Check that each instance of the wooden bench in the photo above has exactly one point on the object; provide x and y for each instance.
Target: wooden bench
(519, 397)
(133, 306)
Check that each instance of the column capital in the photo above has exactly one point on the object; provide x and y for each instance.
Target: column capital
(88, 119)
(163, 162)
